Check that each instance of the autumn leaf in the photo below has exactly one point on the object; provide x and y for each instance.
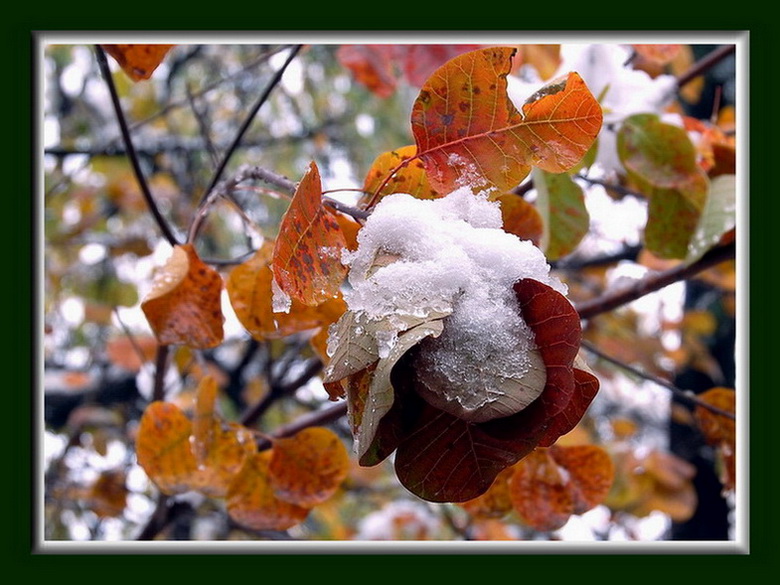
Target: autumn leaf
(371, 65)
(650, 482)
(495, 502)
(138, 61)
(309, 467)
(661, 159)
(107, 496)
(561, 205)
(250, 290)
(521, 218)
(252, 502)
(551, 485)
(544, 58)
(130, 353)
(184, 305)
(467, 131)
(410, 178)
(659, 54)
(163, 447)
(717, 218)
(719, 430)
(306, 257)
(382, 67)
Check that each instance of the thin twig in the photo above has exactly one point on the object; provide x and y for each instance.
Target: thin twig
(613, 299)
(130, 148)
(686, 395)
(161, 365)
(247, 122)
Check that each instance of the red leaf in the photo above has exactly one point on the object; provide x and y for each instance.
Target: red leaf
(556, 326)
(306, 257)
(138, 61)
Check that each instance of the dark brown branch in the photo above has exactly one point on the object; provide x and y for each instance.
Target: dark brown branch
(612, 300)
(312, 368)
(685, 395)
(160, 367)
(130, 148)
(248, 121)
(313, 419)
(704, 64)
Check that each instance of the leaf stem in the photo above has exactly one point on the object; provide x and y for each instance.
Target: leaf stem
(130, 148)
(704, 64)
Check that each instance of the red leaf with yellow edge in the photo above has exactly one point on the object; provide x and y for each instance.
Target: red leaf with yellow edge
(309, 467)
(521, 218)
(250, 290)
(307, 253)
(138, 61)
(252, 502)
(163, 447)
(467, 130)
(410, 178)
(184, 306)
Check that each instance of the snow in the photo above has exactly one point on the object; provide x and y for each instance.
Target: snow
(425, 259)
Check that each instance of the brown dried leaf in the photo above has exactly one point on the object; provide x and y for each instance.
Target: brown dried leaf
(252, 502)
(184, 305)
(309, 467)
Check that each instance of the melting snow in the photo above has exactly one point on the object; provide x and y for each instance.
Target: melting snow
(424, 258)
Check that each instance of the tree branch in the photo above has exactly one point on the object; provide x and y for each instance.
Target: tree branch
(130, 148)
(247, 122)
(704, 64)
(612, 300)
(685, 395)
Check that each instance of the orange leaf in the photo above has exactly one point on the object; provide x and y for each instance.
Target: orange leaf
(467, 130)
(411, 178)
(539, 492)
(124, 351)
(521, 218)
(138, 61)
(249, 288)
(184, 305)
(163, 447)
(306, 257)
(371, 65)
(229, 446)
(307, 468)
(495, 502)
(660, 54)
(551, 484)
(544, 58)
(720, 431)
(251, 500)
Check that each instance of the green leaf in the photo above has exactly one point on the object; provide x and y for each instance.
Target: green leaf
(661, 159)
(561, 204)
(717, 218)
